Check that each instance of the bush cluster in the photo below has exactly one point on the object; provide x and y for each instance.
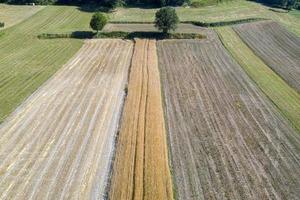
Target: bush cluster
(223, 23)
(2, 24)
(121, 35)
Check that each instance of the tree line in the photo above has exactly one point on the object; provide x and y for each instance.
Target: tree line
(286, 4)
(107, 3)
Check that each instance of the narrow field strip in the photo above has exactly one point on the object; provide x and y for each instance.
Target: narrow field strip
(141, 169)
(228, 141)
(280, 93)
(277, 47)
(181, 28)
(59, 143)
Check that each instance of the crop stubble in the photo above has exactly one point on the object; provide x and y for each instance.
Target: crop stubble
(141, 169)
(277, 47)
(227, 140)
(59, 143)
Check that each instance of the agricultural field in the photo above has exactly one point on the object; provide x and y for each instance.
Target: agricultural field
(141, 169)
(26, 61)
(11, 14)
(227, 140)
(230, 10)
(210, 118)
(280, 93)
(277, 47)
(60, 141)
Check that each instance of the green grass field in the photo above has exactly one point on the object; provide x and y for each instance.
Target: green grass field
(278, 91)
(11, 14)
(26, 61)
(231, 10)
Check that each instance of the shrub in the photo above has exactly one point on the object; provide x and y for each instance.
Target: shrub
(1, 24)
(166, 19)
(98, 21)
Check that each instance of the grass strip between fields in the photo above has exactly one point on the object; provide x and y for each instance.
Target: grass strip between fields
(279, 92)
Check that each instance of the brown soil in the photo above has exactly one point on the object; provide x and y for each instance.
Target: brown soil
(228, 141)
(277, 47)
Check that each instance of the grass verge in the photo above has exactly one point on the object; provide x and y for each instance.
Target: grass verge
(279, 92)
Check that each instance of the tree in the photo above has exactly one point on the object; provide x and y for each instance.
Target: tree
(98, 21)
(290, 4)
(166, 19)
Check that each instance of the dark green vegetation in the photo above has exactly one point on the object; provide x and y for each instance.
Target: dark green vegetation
(1, 24)
(122, 35)
(27, 62)
(224, 23)
(286, 4)
(107, 3)
(166, 19)
(98, 21)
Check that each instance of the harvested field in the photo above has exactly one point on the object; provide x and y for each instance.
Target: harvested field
(278, 48)
(14, 14)
(59, 143)
(281, 94)
(141, 169)
(228, 141)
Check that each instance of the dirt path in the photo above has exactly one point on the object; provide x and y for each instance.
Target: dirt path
(227, 139)
(141, 169)
(278, 48)
(59, 143)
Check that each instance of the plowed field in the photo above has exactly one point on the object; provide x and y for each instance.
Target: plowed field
(281, 94)
(59, 143)
(277, 47)
(141, 169)
(228, 141)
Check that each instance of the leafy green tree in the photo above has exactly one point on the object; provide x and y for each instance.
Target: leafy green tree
(166, 19)
(98, 21)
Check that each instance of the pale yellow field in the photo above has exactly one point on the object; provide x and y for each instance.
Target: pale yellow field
(141, 169)
(59, 143)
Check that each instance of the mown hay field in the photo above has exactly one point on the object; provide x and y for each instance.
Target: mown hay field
(279, 92)
(141, 168)
(59, 143)
(277, 47)
(227, 139)
(26, 61)
(14, 14)
(230, 10)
